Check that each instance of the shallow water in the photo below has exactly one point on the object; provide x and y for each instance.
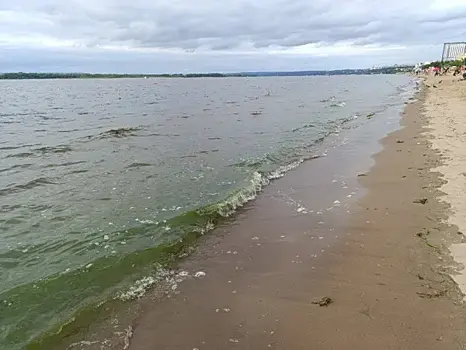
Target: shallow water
(101, 179)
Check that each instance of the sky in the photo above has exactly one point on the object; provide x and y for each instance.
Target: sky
(184, 36)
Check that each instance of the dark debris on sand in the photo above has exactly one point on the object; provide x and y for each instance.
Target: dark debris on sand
(421, 201)
(325, 301)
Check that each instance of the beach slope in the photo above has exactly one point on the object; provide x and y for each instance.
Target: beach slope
(384, 283)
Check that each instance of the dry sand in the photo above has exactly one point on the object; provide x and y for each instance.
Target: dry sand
(446, 110)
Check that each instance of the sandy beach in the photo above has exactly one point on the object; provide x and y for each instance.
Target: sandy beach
(445, 107)
(359, 249)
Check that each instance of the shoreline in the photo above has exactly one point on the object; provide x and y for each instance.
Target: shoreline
(139, 278)
(377, 254)
(384, 270)
(250, 74)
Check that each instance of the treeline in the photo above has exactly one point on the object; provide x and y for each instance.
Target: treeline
(382, 70)
(445, 64)
(22, 75)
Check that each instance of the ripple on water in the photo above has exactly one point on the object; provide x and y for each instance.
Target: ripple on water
(139, 165)
(38, 182)
(47, 117)
(120, 132)
(8, 148)
(6, 208)
(54, 149)
(17, 167)
(20, 155)
(66, 164)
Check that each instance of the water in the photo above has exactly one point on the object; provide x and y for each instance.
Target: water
(103, 181)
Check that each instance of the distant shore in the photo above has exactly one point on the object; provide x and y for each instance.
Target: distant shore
(37, 75)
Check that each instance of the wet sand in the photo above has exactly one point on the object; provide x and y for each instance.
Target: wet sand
(371, 235)
(376, 245)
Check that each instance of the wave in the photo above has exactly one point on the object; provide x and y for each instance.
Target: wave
(53, 149)
(8, 148)
(39, 182)
(13, 114)
(41, 151)
(93, 286)
(67, 131)
(118, 133)
(329, 99)
(306, 126)
(79, 171)
(66, 164)
(110, 274)
(46, 117)
(163, 135)
(16, 166)
(20, 155)
(281, 171)
(139, 165)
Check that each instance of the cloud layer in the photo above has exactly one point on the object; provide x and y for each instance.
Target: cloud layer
(193, 35)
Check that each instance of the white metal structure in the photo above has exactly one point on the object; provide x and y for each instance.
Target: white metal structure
(453, 51)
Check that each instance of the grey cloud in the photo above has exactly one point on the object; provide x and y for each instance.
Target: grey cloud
(221, 26)
(187, 24)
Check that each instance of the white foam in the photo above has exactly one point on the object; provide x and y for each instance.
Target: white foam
(281, 171)
(302, 210)
(243, 196)
(83, 343)
(139, 289)
(169, 280)
(127, 338)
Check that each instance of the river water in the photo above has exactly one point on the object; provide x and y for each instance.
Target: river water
(104, 181)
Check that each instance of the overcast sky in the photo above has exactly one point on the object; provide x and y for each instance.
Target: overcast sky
(155, 36)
